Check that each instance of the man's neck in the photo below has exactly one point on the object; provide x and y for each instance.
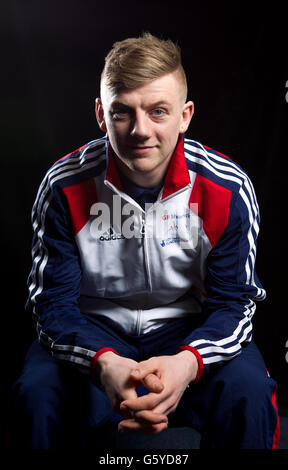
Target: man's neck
(149, 179)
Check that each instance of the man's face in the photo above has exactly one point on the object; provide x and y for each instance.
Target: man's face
(143, 125)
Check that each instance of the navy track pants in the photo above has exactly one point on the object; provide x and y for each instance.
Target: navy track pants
(233, 406)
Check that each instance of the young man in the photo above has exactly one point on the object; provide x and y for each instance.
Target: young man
(143, 273)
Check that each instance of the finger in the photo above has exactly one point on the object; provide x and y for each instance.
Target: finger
(157, 414)
(130, 425)
(125, 412)
(164, 409)
(149, 417)
(129, 394)
(167, 406)
(153, 383)
(128, 411)
(143, 369)
(146, 402)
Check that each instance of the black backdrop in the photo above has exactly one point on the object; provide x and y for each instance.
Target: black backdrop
(236, 61)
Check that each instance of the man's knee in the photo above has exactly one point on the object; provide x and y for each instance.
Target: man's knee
(244, 384)
(247, 378)
(40, 381)
(33, 387)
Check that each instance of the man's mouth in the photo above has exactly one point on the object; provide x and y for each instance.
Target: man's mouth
(142, 149)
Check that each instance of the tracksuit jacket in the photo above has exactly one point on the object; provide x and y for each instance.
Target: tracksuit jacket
(96, 252)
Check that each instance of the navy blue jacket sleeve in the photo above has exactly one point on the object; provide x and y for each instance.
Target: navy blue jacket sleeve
(54, 283)
(231, 285)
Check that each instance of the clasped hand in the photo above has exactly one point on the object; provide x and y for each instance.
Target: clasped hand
(165, 377)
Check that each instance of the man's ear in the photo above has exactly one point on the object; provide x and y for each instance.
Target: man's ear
(99, 111)
(187, 113)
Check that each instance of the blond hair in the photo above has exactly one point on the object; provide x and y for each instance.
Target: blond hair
(133, 62)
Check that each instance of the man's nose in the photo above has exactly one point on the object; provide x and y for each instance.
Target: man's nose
(141, 126)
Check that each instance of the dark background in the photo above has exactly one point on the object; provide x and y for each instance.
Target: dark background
(235, 56)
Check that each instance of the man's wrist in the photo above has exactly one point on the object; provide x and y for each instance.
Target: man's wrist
(97, 362)
(191, 364)
(199, 360)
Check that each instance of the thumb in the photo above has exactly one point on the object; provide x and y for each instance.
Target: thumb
(153, 383)
(143, 369)
(147, 373)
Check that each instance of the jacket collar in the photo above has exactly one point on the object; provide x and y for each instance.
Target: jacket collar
(177, 176)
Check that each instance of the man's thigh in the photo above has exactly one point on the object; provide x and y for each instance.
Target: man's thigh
(234, 403)
(54, 391)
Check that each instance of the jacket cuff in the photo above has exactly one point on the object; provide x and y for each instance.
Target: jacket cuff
(94, 359)
(199, 360)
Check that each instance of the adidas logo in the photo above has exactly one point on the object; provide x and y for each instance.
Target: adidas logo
(110, 234)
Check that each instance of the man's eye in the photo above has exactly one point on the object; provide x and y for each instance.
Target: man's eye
(158, 112)
(119, 114)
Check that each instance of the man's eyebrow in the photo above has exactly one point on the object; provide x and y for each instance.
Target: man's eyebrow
(119, 104)
(159, 103)
(155, 104)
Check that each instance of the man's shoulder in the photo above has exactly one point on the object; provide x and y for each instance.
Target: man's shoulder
(214, 165)
(83, 163)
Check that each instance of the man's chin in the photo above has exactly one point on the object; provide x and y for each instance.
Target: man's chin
(142, 165)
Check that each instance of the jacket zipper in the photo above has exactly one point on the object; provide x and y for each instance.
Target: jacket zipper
(145, 249)
(142, 229)
(138, 323)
